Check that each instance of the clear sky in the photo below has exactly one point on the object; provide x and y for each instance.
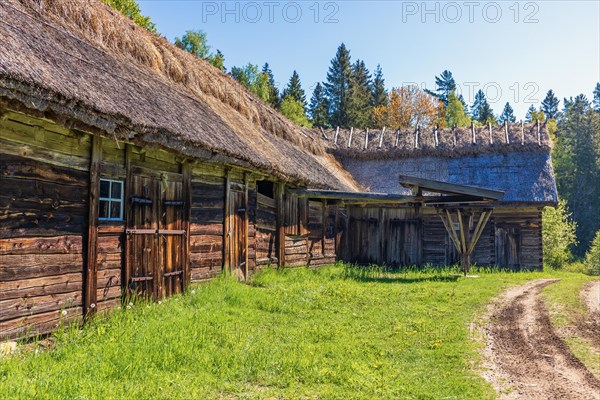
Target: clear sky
(515, 51)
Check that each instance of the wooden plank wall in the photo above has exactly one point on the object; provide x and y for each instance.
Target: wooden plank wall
(529, 221)
(207, 221)
(266, 223)
(44, 176)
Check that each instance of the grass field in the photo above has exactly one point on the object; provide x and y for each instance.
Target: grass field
(336, 332)
(566, 310)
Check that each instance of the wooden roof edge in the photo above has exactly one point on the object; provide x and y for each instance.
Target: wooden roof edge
(449, 188)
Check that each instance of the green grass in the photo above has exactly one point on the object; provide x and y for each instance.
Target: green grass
(335, 332)
(566, 309)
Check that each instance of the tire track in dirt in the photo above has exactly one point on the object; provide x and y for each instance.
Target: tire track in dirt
(589, 327)
(525, 357)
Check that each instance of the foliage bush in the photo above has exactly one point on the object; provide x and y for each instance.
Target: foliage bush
(558, 235)
(592, 258)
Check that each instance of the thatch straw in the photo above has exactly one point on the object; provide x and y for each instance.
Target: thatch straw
(92, 64)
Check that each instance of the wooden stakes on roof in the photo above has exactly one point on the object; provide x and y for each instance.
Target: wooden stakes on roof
(522, 133)
(491, 136)
(417, 137)
(350, 137)
(366, 138)
(337, 133)
(539, 134)
(436, 140)
(381, 137)
(506, 131)
(473, 132)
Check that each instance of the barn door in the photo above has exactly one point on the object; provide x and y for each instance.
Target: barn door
(402, 242)
(155, 237)
(238, 232)
(508, 247)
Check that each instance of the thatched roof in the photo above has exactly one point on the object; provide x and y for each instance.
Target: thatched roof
(87, 65)
(524, 177)
(380, 143)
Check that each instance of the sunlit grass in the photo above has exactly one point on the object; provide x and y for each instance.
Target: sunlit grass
(334, 332)
(567, 308)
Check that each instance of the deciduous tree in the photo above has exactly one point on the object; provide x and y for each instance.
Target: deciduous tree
(408, 107)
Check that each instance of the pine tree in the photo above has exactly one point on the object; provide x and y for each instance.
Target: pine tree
(596, 101)
(336, 87)
(294, 89)
(530, 113)
(575, 155)
(318, 107)
(481, 111)
(464, 103)
(445, 84)
(378, 92)
(274, 99)
(550, 105)
(507, 115)
(359, 96)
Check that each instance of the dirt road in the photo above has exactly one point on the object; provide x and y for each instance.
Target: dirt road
(525, 358)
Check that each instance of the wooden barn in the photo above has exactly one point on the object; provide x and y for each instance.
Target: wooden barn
(512, 159)
(129, 167)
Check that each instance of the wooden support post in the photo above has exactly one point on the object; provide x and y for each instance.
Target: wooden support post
(325, 218)
(337, 133)
(129, 218)
(280, 224)
(381, 137)
(366, 138)
(350, 137)
(227, 230)
(91, 275)
(246, 225)
(186, 171)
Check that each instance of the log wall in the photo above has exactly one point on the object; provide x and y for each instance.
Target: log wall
(44, 183)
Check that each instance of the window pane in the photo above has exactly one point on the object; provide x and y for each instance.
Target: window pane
(104, 209)
(104, 188)
(115, 209)
(116, 190)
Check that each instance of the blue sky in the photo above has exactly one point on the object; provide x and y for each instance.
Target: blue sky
(515, 51)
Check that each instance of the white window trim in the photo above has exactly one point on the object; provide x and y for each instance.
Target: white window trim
(113, 200)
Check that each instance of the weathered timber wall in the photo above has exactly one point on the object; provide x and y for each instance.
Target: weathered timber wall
(43, 212)
(207, 230)
(266, 223)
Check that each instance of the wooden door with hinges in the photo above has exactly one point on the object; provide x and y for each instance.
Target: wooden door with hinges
(238, 233)
(156, 235)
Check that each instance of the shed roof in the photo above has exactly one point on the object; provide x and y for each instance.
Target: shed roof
(92, 66)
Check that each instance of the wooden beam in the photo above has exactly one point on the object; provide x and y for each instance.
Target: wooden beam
(280, 224)
(246, 225)
(128, 215)
(362, 196)
(449, 229)
(187, 212)
(227, 227)
(91, 275)
(483, 220)
(449, 188)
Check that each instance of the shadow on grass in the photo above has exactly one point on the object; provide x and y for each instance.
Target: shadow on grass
(388, 274)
